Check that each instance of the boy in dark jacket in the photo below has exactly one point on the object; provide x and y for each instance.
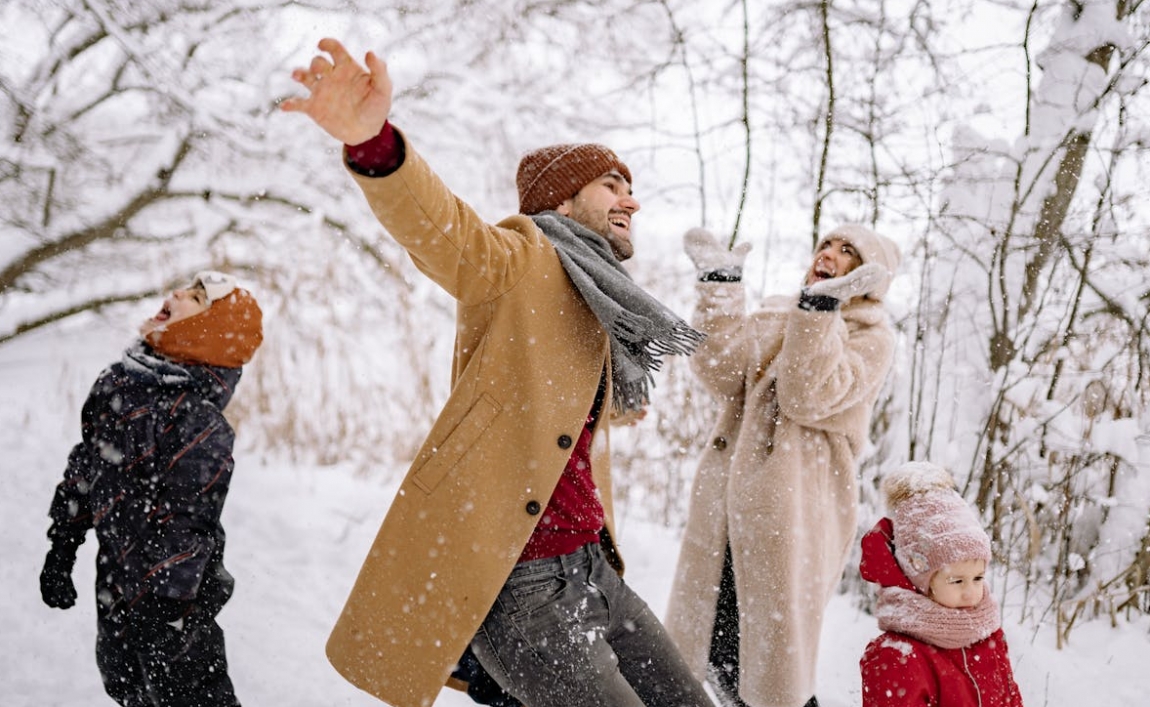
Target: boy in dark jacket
(151, 475)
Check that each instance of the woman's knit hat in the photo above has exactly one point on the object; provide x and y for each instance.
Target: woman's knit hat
(933, 524)
(872, 248)
(226, 334)
(550, 175)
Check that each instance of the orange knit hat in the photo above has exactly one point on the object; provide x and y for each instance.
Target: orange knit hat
(550, 175)
(226, 334)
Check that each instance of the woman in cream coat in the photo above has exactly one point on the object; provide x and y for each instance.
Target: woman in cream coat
(773, 508)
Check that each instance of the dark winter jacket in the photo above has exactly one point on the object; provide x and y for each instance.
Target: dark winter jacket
(150, 475)
(900, 671)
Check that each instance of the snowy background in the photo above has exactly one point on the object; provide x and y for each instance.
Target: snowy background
(296, 537)
(142, 143)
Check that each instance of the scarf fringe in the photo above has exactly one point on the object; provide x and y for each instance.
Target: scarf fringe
(642, 329)
(632, 395)
(681, 339)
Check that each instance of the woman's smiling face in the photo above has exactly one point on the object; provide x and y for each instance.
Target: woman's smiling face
(835, 258)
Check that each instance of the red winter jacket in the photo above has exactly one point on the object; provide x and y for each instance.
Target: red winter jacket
(900, 671)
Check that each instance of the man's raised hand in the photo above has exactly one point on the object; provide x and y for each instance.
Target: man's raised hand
(349, 102)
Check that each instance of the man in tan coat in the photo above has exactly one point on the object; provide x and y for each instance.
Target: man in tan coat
(498, 551)
(772, 515)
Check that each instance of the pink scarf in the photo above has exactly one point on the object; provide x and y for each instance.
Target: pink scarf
(918, 616)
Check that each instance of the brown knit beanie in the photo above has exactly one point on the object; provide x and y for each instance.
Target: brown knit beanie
(550, 175)
(933, 524)
(226, 334)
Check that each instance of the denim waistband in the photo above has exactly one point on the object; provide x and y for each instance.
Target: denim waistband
(584, 556)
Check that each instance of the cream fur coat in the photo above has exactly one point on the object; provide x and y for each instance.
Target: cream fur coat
(777, 479)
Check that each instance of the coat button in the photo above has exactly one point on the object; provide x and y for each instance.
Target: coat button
(564, 442)
(533, 508)
(720, 443)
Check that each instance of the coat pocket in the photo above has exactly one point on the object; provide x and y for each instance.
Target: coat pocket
(457, 444)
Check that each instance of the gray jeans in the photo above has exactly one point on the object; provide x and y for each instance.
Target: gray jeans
(566, 631)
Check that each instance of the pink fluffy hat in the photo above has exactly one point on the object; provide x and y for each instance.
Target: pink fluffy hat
(933, 524)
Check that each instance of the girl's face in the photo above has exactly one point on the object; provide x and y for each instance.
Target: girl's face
(181, 304)
(959, 585)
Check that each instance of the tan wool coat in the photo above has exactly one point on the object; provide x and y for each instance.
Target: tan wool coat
(777, 479)
(528, 358)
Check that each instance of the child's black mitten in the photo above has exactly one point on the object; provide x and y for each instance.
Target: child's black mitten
(56, 587)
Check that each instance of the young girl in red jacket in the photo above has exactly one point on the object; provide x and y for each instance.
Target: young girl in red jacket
(943, 644)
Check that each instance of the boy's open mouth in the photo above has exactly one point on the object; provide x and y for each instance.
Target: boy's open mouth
(164, 314)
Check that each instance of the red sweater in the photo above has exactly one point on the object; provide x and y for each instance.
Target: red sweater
(574, 514)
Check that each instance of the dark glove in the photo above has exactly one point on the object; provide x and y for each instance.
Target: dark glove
(56, 587)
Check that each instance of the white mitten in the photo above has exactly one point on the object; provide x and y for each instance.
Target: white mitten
(860, 281)
(711, 258)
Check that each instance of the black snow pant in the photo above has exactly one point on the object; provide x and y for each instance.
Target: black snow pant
(723, 673)
(481, 687)
(149, 662)
(724, 656)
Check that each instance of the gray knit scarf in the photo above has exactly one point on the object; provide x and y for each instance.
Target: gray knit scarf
(642, 329)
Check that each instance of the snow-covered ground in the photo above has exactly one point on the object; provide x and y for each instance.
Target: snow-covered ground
(296, 536)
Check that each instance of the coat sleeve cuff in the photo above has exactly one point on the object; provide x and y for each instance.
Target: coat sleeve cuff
(378, 157)
(732, 274)
(817, 303)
